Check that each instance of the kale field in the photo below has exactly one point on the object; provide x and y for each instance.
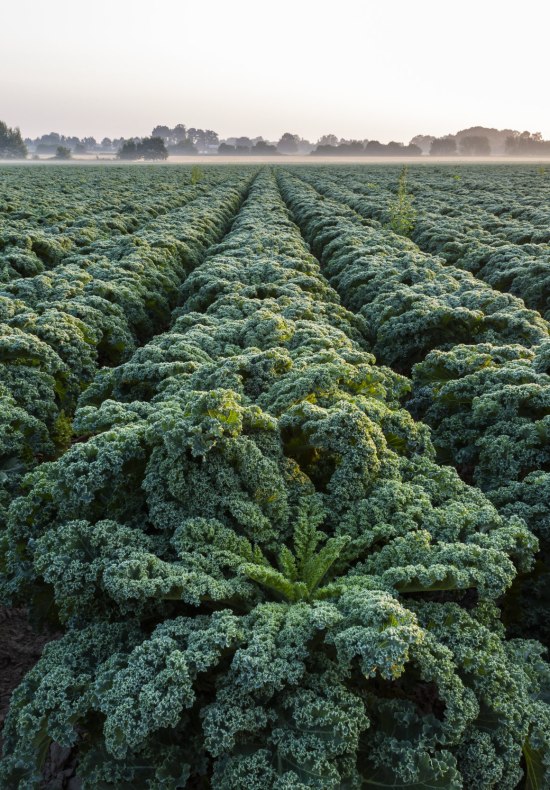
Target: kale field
(275, 476)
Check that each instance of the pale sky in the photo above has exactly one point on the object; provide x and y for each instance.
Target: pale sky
(356, 68)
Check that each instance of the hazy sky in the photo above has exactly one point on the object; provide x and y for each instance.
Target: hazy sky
(357, 68)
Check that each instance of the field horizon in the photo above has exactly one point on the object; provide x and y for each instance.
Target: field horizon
(289, 161)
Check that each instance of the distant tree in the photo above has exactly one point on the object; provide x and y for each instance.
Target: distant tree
(53, 138)
(527, 144)
(128, 150)
(423, 141)
(106, 143)
(288, 144)
(305, 147)
(179, 132)
(325, 150)
(475, 145)
(443, 146)
(510, 145)
(225, 149)
(211, 137)
(352, 148)
(62, 152)
(244, 143)
(327, 139)
(264, 148)
(370, 148)
(394, 148)
(197, 137)
(11, 143)
(533, 137)
(183, 147)
(152, 148)
(80, 148)
(47, 144)
(162, 131)
(374, 148)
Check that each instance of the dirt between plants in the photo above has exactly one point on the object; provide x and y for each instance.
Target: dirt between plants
(20, 648)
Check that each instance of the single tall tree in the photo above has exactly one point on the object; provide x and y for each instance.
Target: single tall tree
(152, 148)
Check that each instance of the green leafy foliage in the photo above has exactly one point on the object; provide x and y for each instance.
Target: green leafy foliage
(264, 576)
(482, 222)
(412, 302)
(481, 375)
(402, 213)
(91, 303)
(489, 407)
(254, 478)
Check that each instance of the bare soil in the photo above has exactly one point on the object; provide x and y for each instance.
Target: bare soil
(20, 648)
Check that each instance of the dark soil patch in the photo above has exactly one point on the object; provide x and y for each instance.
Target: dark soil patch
(20, 648)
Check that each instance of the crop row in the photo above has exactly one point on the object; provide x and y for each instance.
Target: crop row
(483, 384)
(52, 217)
(59, 327)
(512, 202)
(265, 578)
(492, 239)
(412, 301)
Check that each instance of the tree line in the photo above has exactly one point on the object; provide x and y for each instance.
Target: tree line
(179, 140)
